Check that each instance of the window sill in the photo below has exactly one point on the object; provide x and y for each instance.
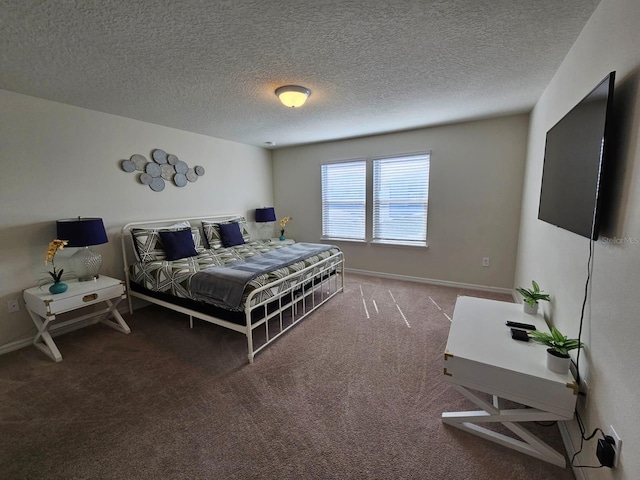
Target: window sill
(384, 243)
(348, 240)
(389, 243)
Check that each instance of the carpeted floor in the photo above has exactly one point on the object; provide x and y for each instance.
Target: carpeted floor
(354, 392)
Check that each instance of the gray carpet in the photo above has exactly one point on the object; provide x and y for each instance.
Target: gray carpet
(341, 396)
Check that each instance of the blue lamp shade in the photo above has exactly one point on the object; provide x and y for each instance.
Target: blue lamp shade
(266, 214)
(82, 232)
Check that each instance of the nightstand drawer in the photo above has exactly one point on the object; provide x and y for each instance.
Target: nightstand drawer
(83, 299)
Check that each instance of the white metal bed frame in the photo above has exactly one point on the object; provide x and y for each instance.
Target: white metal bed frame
(294, 303)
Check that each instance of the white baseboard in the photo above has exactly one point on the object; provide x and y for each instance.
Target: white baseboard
(28, 341)
(431, 281)
(15, 345)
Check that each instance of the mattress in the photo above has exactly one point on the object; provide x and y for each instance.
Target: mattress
(173, 278)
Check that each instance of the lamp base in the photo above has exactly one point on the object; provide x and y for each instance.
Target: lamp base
(268, 226)
(86, 263)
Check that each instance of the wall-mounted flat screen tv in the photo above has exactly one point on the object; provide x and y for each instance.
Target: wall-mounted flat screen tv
(574, 157)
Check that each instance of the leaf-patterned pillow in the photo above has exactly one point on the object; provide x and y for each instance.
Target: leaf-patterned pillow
(212, 232)
(148, 244)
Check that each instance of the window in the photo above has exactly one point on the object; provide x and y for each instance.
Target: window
(397, 210)
(344, 200)
(400, 199)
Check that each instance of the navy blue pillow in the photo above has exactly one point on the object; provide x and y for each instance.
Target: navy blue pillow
(230, 234)
(178, 244)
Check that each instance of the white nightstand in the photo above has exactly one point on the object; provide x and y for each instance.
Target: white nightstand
(44, 306)
(288, 241)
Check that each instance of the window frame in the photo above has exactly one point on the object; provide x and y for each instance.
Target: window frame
(420, 193)
(369, 204)
(331, 235)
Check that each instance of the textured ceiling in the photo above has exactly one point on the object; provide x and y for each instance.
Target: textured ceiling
(211, 67)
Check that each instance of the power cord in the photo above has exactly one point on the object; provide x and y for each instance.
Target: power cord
(585, 439)
(584, 304)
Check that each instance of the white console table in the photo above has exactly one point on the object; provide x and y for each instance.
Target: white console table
(481, 356)
(44, 307)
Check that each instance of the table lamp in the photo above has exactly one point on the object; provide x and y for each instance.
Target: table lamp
(265, 215)
(82, 232)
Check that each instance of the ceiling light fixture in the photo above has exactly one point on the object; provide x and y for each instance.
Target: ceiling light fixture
(293, 95)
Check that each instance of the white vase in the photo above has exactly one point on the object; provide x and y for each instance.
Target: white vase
(558, 364)
(529, 309)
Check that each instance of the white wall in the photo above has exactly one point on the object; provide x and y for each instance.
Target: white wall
(474, 199)
(59, 161)
(558, 259)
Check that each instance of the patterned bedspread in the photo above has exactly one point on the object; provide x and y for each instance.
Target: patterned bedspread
(174, 277)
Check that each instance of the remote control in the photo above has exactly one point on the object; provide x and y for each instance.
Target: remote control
(524, 326)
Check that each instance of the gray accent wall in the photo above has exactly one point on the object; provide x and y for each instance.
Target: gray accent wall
(474, 199)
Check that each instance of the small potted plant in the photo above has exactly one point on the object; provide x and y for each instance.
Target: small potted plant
(58, 286)
(558, 358)
(532, 297)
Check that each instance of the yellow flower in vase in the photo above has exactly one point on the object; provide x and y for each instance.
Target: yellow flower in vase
(283, 224)
(50, 256)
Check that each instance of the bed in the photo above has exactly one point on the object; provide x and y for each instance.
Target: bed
(210, 268)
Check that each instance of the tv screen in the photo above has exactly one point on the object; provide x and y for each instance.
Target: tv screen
(575, 152)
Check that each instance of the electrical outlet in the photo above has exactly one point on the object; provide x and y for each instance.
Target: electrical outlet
(485, 261)
(617, 447)
(13, 306)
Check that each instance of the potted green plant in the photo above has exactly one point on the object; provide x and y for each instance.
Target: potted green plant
(532, 297)
(558, 358)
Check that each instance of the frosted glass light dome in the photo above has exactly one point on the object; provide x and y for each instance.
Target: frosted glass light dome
(293, 95)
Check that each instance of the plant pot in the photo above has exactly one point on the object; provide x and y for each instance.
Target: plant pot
(58, 287)
(557, 362)
(528, 309)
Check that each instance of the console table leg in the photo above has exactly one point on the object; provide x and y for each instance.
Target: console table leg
(119, 323)
(529, 443)
(43, 341)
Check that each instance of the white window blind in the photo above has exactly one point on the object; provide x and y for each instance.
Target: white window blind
(344, 200)
(401, 199)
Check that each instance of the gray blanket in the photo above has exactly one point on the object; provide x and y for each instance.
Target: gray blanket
(225, 285)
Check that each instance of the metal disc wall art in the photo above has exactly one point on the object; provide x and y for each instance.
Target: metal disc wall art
(181, 167)
(164, 167)
(139, 161)
(128, 166)
(180, 179)
(153, 169)
(159, 156)
(191, 175)
(157, 184)
(167, 171)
